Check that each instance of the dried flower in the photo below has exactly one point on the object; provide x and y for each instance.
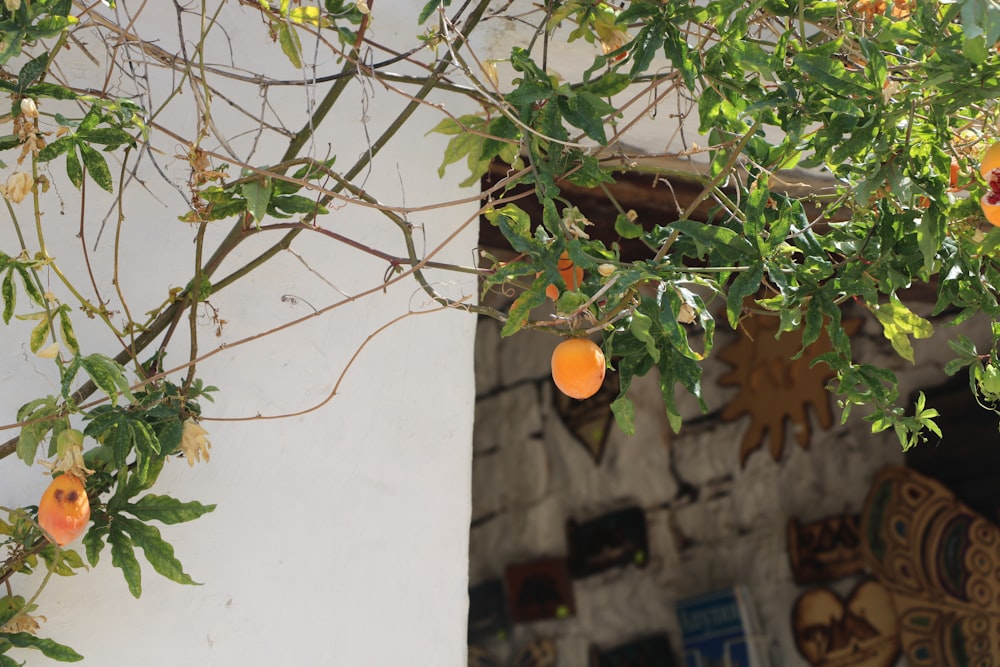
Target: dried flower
(606, 269)
(69, 454)
(194, 444)
(575, 222)
(28, 107)
(22, 623)
(18, 186)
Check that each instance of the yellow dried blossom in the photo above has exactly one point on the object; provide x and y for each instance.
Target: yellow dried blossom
(18, 186)
(194, 444)
(28, 107)
(22, 623)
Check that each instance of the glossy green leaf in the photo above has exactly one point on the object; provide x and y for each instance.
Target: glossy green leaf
(258, 194)
(48, 647)
(166, 509)
(74, 170)
(9, 295)
(290, 44)
(31, 71)
(40, 334)
(108, 375)
(899, 323)
(96, 166)
(157, 551)
(123, 557)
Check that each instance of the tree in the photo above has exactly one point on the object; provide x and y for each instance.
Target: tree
(894, 100)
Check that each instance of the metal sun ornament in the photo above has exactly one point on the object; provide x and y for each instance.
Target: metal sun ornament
(775, 386)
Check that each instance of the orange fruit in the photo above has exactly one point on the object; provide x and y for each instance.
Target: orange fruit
(990, 160)
(571, 274)
(64, 509)
(991, 211)
(578, 367)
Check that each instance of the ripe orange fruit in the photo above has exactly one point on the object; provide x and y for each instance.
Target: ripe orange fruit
(64, 509)
(991, 211)
(571, 274)
(578, 367)
(989, 168)
(990, 160)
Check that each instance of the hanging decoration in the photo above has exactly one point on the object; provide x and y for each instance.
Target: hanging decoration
(776, 386)
(824, 550)
(860, 632)
(940, 560)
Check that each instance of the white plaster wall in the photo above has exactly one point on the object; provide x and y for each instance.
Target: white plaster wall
(340, 537)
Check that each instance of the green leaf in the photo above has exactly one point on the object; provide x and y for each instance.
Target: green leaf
(899, 323)
(609, 83)
(586, 111)
(108, 375)
(745, 284)
(624, 412)
(515, 224)
(718, 239)
(448, 126)
(627, 229)
(9, 296)
(11, 44)
(429, 9)
(296, 204)
(93, 543)
(66, 332)
(30, 286)
(112, 137)
(39, 334)
(639, 327)
(166, 509)
(467, 144)
(123, 557)
(74, 170)
(258, 194)
(522, 307)
(10, 606)
(49, 648)
(570, 301)
(57, 148)
(53, 90)
(32, 71)
(158, 552)
(91, 120)
(290, 44)
(96, 166)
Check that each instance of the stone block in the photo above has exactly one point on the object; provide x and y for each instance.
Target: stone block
(634, 470)
(510, 416)
(526, 356)
(621, 604)
(708, 521)
(509, 478)
(709, 450)
(517, 536)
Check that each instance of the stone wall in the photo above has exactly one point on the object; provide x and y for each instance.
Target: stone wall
(711, 524)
